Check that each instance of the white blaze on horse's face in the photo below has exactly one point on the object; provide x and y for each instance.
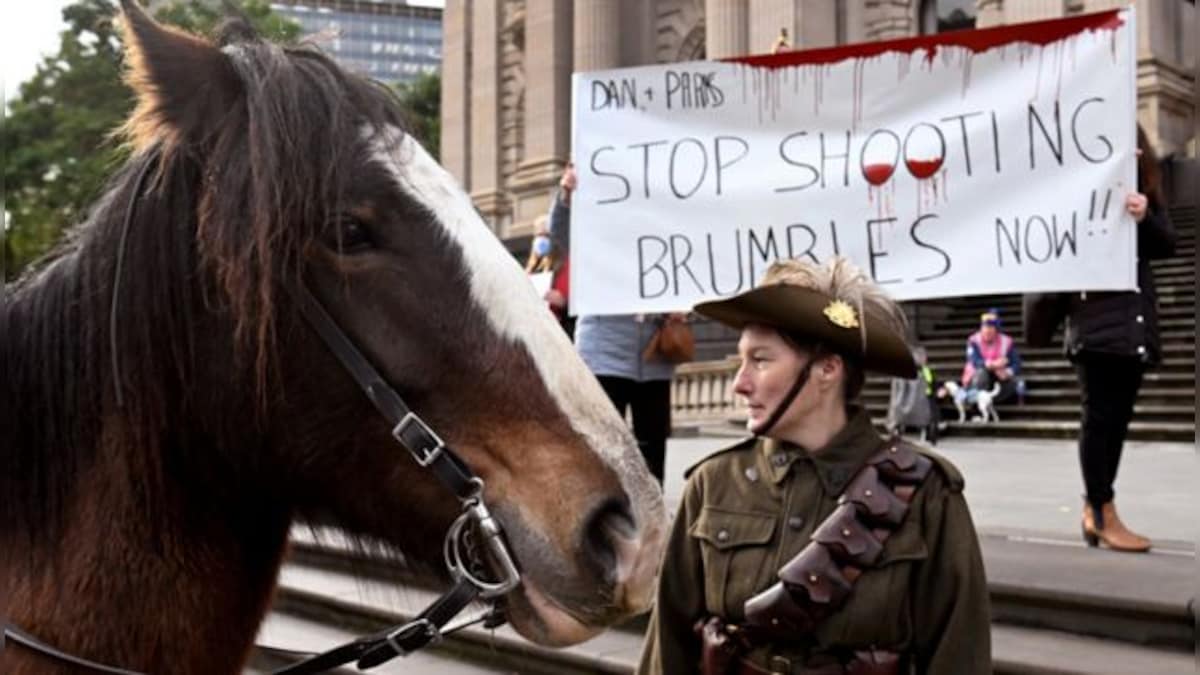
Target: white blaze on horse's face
(500, 288)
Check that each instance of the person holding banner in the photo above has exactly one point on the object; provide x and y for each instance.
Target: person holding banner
(817, 546)
(549, 270)
(1112, 339)
(613, 348)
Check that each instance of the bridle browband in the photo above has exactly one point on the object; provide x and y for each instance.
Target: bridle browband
(426, 448)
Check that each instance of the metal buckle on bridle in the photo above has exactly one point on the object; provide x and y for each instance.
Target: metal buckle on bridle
(476, 513)
(426, 625)
(425, 452)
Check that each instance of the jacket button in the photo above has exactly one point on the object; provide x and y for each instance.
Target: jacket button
(751, 474)
(723, 535)
(1141, 319)
(795, 522)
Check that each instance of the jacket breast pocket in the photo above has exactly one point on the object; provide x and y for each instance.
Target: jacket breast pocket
(735, 548)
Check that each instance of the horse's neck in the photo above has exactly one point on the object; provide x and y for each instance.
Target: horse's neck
(121, 588)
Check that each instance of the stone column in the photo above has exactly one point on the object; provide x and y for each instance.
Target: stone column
(1165, 81)
(989, 13)
(854, 21)
(726, 28)
(888, 19)
(485, 111)
(637, 32)
(1019, 11)
(549, 55)
(597, 29)
(456, 91)
(818, 24)
(765, 19)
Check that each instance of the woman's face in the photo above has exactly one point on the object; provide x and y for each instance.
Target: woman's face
(769, 369)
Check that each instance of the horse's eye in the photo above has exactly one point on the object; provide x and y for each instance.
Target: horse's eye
(349, 235)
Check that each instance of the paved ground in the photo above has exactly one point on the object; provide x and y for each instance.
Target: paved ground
(1034, 486)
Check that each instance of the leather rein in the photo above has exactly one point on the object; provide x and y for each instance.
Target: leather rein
(427, 449)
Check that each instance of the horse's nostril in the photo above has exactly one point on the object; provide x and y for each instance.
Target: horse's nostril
(607, 534)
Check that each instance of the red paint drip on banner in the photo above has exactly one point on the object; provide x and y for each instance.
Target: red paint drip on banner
(878, 174)
(977, 41)
(923, 168)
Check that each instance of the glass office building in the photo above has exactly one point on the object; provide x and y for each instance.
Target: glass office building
(387, 41)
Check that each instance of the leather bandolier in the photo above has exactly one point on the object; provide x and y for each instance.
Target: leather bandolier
(818, 580)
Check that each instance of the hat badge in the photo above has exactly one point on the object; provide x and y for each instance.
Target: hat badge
(840, 313)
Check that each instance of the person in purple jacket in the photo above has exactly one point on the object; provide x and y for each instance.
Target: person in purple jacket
(992, 359)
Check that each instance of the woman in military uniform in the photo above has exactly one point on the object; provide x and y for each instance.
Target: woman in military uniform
(818, 546)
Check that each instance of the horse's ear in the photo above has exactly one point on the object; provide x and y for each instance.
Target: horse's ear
(183, 84)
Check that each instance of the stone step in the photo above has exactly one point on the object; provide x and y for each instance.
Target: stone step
(1018, 650)
(1011, 302)
(1182, 413)
(939, 335)
(1185, 396)
(944, 351)
(1175, 318)
(951, 367)
(1057, 607)
(958, 339)
(1138, 430)
(970, 316)
(1166, 378)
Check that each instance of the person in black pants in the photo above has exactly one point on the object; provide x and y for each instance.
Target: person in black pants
(649, 404)
(1112, 338)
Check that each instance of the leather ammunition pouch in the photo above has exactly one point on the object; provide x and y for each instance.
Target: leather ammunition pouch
(818, 580)
(720, 647)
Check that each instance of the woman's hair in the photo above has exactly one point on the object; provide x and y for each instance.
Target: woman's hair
(841, 279)
(1148, 180)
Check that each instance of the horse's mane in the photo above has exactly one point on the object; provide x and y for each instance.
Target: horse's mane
(233, 199)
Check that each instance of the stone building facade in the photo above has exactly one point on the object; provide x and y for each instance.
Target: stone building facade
(507, 64)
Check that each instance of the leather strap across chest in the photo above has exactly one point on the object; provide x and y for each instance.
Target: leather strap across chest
(817, 581)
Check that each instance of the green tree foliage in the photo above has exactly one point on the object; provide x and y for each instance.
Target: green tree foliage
(58, 146)
(421, 100)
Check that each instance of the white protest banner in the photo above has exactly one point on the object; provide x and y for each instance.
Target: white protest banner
(974, 162)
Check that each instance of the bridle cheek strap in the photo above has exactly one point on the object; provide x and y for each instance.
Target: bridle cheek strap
(430, 452)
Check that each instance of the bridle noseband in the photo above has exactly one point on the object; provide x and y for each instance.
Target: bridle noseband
(431, 453)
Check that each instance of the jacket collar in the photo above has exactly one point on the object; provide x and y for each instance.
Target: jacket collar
(835, 463)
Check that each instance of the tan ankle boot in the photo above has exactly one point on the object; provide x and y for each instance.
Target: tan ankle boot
(1114, 534)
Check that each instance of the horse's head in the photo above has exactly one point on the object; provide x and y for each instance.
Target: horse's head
(303, 172)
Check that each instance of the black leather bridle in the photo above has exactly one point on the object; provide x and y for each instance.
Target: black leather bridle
(430, 452)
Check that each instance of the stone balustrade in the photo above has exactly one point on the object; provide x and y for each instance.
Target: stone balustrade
(702, 392)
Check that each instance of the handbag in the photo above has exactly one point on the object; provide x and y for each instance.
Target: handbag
(672, 342)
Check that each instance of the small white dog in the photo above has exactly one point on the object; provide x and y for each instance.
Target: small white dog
(984, 400)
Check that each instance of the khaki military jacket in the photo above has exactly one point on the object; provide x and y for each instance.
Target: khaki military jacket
(750, 508)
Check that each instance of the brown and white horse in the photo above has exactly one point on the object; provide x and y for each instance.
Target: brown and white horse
(169, 414)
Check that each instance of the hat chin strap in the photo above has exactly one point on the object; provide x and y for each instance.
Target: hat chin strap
(801, 380)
